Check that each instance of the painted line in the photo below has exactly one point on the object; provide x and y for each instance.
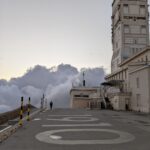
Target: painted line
(37, 119)
(79, 125)
(69, 115)
(123, 137)
(5, 129)
(55, 137)
(85, 119)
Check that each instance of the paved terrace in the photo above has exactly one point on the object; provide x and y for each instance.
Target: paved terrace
(66, 129)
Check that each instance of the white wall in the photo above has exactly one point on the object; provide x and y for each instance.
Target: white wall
(140, 100)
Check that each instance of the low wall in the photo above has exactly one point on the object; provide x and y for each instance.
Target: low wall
(5, 117)
(5, 133)
(80, 103)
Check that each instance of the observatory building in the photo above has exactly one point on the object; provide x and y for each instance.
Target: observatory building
(130, 65)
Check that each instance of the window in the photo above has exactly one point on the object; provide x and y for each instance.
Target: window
(146, 58)
(126, 29)
(126, 9)
(135, 41)
(143, 29)
(116, 44)
(119, 76)
(138, 97)
(134, 9)
(135, 29)
(142, 10)
(129, 40)
(125, 74)
(137, 82)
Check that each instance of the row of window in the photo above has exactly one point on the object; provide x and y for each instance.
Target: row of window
(135, 29)
(134, 9)
(135, 41)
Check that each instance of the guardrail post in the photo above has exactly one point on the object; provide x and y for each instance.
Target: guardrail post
(21, 113)
(28, 115)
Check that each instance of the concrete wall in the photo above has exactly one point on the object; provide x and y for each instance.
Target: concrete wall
(80, 103)
(80, 97)
(140, 85)
(119, 101)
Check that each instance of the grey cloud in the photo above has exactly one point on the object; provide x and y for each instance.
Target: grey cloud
(55, 83)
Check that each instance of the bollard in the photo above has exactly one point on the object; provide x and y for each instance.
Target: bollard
(28, 115)
(21, 112)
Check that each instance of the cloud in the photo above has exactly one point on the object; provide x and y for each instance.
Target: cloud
(54, 82)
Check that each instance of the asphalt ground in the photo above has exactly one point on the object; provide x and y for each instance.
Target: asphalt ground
(68, 129)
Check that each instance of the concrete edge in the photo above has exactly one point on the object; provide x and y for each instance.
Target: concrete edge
(8, 131)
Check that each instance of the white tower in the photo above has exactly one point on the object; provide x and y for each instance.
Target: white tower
(130, 29)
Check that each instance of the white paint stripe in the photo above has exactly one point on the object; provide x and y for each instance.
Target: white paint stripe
(69, 115)
(79, 125)
(55, 137)
(75, 119)
(123, 137)
(5, 129)
(37, 119)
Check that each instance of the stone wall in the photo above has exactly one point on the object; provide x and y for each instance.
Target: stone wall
(5, 117)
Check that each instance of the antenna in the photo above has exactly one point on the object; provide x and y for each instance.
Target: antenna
(83, 79)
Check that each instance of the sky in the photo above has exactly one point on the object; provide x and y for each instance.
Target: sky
(51, 32)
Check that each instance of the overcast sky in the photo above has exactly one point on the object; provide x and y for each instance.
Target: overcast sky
(50, 32)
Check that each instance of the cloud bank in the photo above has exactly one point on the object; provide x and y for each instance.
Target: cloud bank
(54, 82)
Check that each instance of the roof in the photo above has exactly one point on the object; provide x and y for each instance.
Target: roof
(116, 72)
(112, 83)
(84, 89)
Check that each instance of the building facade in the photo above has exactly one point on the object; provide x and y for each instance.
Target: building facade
(135, 74)
(131, 55)
(84, 97)
(130, 29)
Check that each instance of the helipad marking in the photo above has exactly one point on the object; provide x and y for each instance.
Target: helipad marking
(72, 119)
(69, 115)
(37, 119)
(55, 137)
(79, 125)
(124, 137)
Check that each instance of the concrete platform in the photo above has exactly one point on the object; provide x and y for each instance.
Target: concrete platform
(66, 129)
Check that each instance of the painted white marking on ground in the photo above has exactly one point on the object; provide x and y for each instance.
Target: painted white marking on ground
(5, 129)
(79, 125)
(69, 115)
(75, 119)
(55, 137)
(124, 137)
(37, 119)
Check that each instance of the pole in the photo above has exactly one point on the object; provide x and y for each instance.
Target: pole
(42, 102)
(83, 79)
(28, 115)
(21, 112)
